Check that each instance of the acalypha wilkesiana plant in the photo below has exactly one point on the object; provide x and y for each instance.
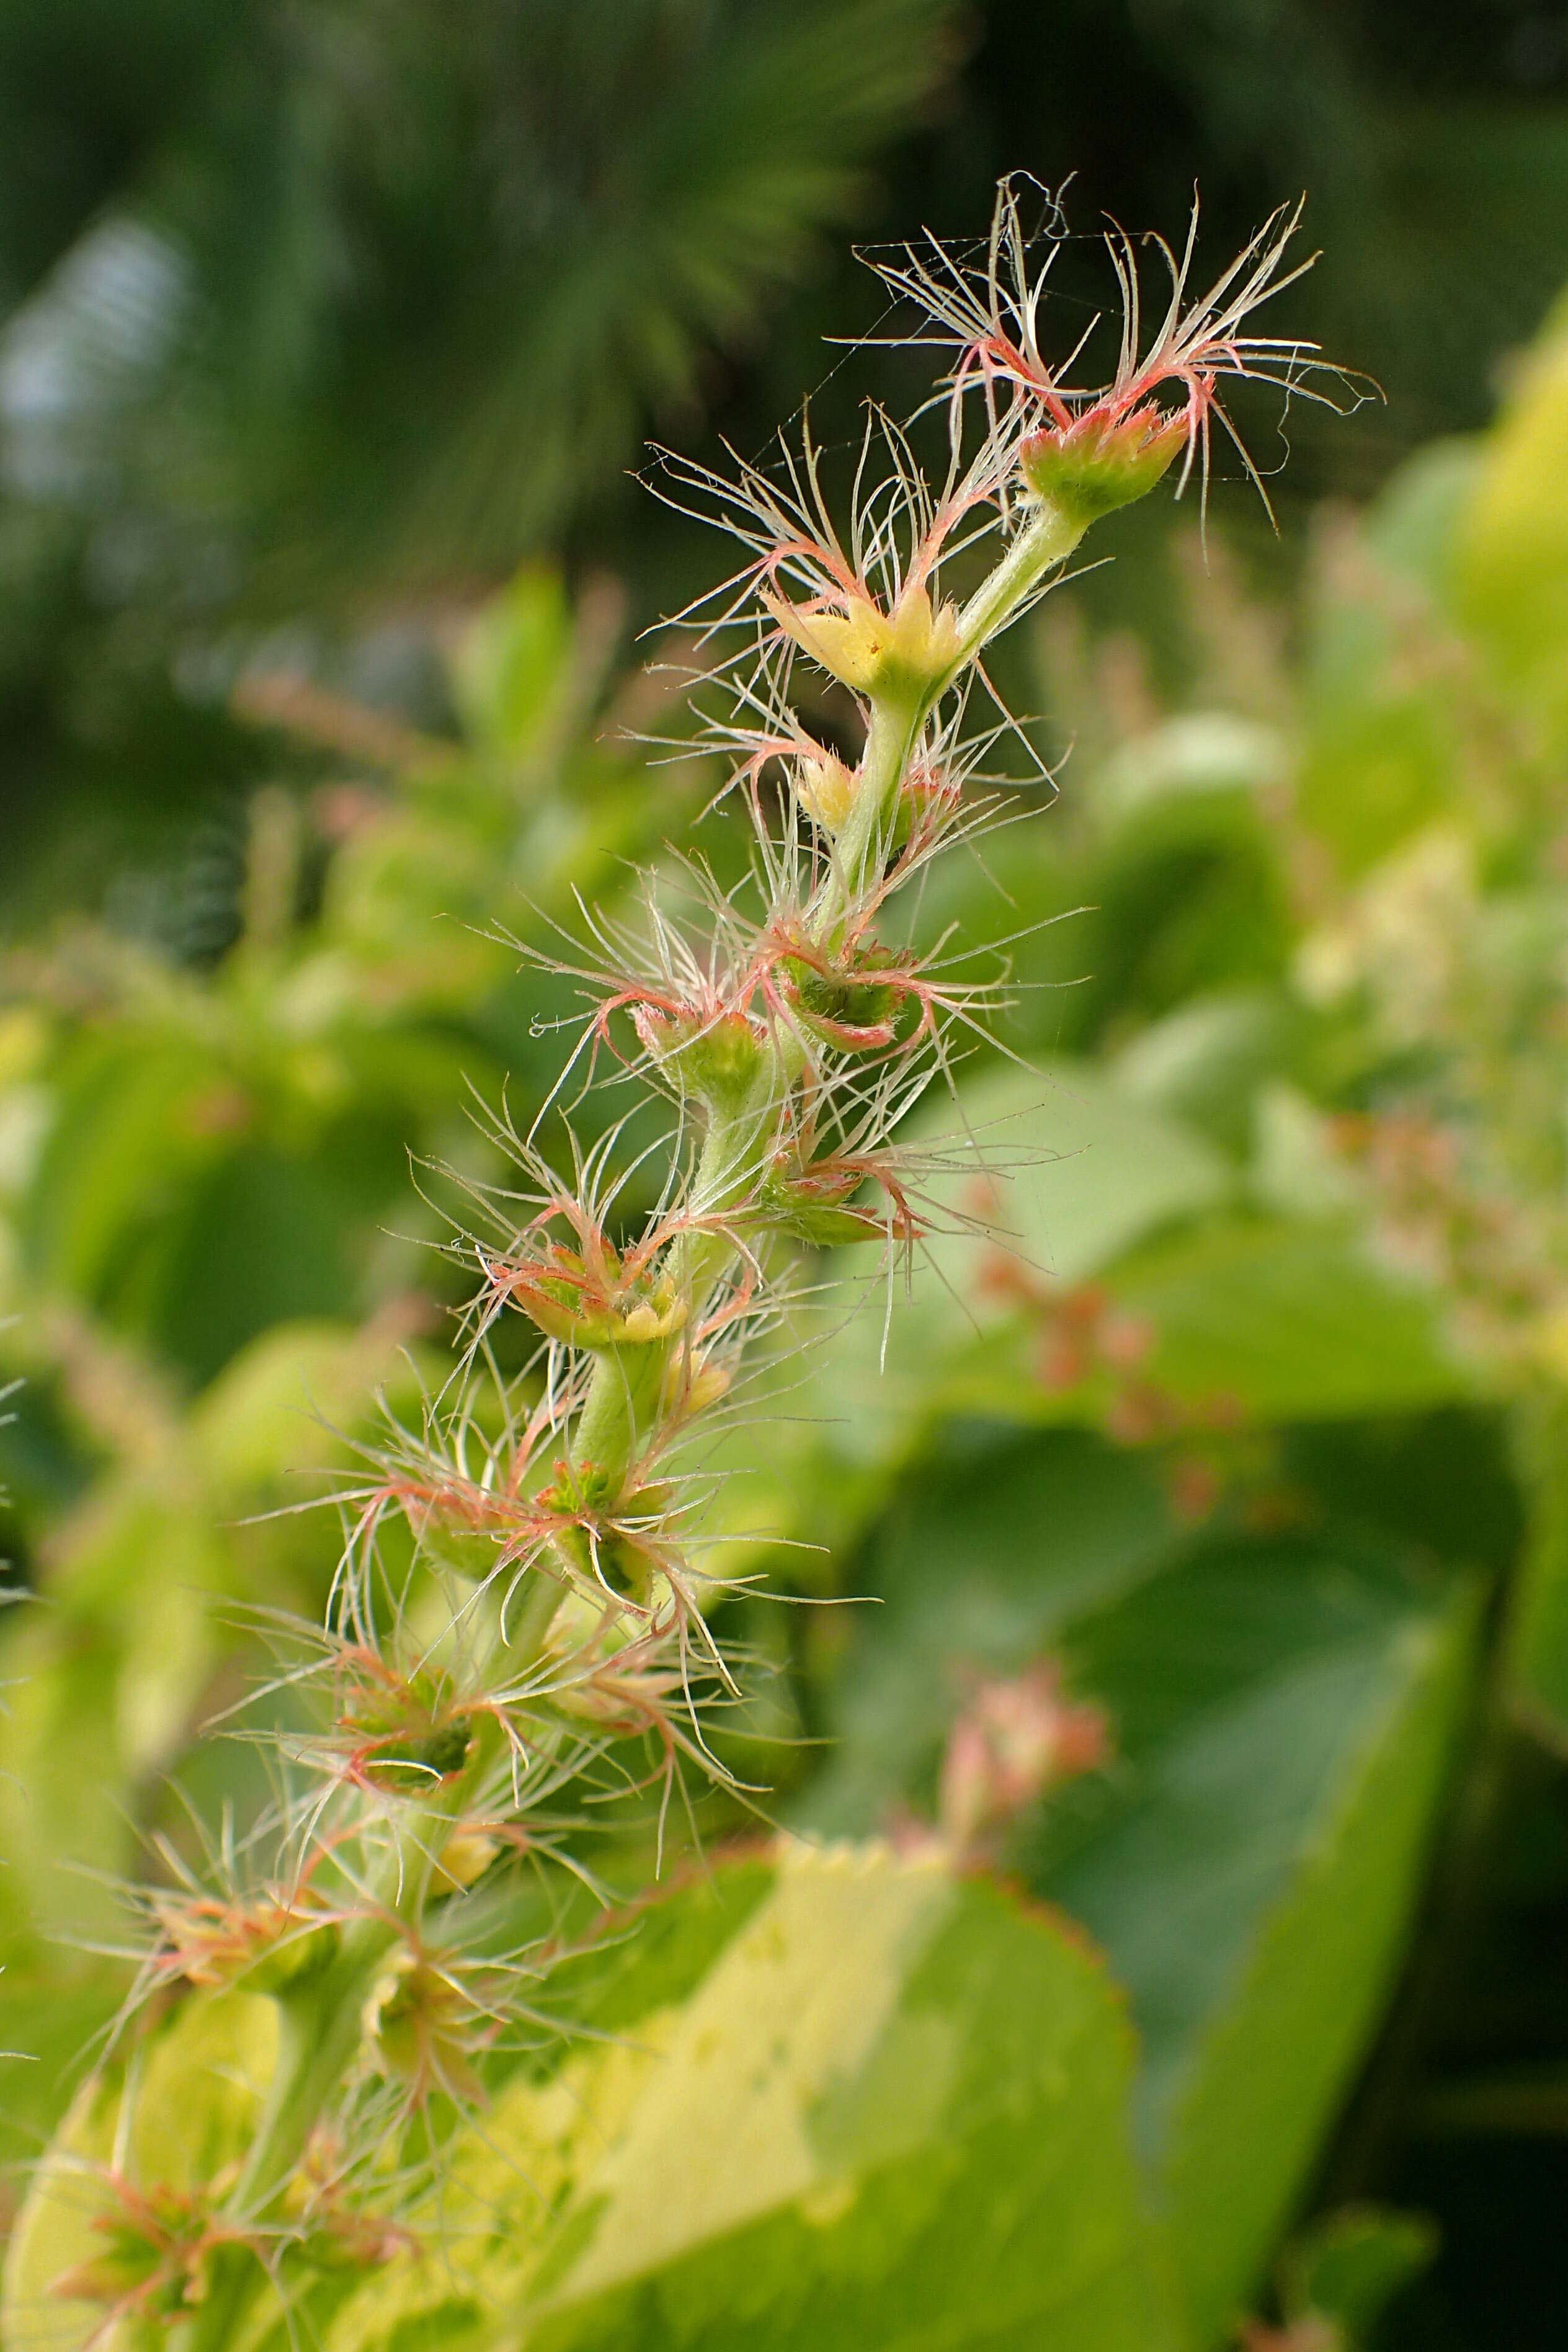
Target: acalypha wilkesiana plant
(520, 1614)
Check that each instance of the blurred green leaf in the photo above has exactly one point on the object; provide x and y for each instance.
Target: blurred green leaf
(1511, 582)
(1537, 1642)
(1350, 2266)
(1247, 1319)
(202, 2074)
(54, 2005)
(1288, 1322)
(265, 1238)
(1204, 1063)
(131, 1123)
(1413, 523)
(1376, 770)
(989, 1552)
(510, 665)
(139, 1602)
(1383, 744)
(1282, 1716)
(1284, 1713)
(284, 1407)
(106, 1673)
(1187, 883)
(1086, 1173)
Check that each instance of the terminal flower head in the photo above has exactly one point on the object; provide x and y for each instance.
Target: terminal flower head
(1094, 447)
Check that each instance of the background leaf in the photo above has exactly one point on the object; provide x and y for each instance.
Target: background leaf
(1340, 1790)
(1537, 1653)
(882, 2109)
(1282, 1714)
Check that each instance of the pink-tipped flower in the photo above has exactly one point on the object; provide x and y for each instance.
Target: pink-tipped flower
(268, 1940)
(827, 788)
(154, 2260)
(707, 1051)
(866, 604)
(593, 1297)
(830, 1200)
(1092, 447)
(1103, 459)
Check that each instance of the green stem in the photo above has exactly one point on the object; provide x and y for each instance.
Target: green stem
(622, 1399)
(530, 1622)
(862, 846)
(233, 2281)
(318, 2033)
(320, 2026)
(1046, 540)
(899, 715)
(624, 1393)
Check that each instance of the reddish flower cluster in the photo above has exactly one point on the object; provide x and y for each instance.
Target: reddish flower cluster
(1016, 1737)
(157, 2254)
(1443, 1220)
(1084, 1341)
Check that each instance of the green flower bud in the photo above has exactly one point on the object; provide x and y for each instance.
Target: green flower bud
(847, 1009)
(1101, 462)
(716, 1057)
(406, 1735)
(826, 788)
(270, 1946)
(422, 2030)
(815, 1204)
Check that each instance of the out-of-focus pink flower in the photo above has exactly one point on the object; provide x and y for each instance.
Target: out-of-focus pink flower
(1016, 1737)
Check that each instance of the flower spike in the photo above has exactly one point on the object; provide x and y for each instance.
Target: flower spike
(525, 1634)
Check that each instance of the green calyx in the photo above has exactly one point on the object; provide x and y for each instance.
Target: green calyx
(1100, 463)
(858, 1001)
(905, 654)
(420, 2028)
(816, 1207)
(570, 1304)
(410, 1735)
(606, 1557)
(716, 1059)
(586, 1496)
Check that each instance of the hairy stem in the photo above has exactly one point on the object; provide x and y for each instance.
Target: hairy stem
(320, 2026)
(626, 1393)
(899, 717)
